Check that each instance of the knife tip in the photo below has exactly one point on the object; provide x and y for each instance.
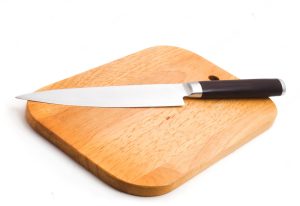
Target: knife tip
(21, 97)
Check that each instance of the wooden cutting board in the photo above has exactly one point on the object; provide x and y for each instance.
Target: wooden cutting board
(150, 151)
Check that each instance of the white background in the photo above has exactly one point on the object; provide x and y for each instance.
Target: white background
(42, 42)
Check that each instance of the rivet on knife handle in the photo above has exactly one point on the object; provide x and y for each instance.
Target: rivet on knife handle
(245, 88)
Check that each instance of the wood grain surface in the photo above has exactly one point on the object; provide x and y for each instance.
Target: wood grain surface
(150, 151)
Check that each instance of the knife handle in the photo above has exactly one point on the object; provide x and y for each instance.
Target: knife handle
(245, 88)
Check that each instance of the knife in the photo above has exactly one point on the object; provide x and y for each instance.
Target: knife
(159, 95)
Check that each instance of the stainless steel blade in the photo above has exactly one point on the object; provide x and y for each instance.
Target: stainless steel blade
(151, 95)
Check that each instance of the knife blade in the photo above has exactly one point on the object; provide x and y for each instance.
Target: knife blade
(158, 95)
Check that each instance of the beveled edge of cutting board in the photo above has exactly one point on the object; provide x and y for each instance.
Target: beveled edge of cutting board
(119, 184)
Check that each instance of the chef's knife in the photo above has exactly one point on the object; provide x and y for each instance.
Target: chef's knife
(159, 95)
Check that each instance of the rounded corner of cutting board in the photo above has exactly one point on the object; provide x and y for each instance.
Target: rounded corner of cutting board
(188, 128)
(162, 48)
(146, 186)
(34, 115)
(31, 117)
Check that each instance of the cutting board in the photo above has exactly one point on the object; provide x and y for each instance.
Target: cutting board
(150, 151)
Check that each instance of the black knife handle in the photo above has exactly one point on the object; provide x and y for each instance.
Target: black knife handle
(245, 88)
